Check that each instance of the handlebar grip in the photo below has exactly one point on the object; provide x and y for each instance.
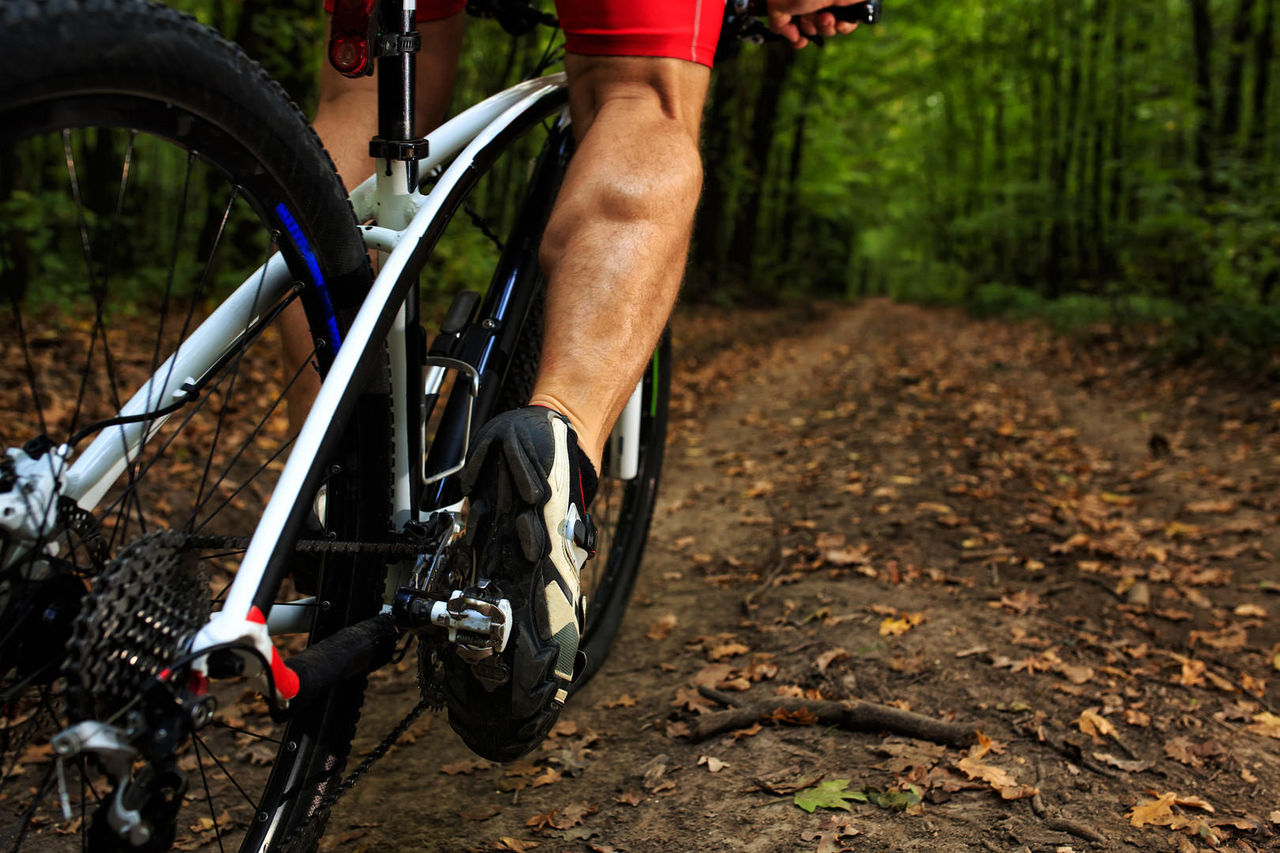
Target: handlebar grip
(866, 12)
(858, 13)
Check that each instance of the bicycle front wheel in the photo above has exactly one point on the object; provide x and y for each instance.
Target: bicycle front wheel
(147, 168)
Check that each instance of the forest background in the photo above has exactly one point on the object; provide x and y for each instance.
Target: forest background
(1083, 161)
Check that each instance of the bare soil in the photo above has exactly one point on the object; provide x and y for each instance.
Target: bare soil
(1049, 541)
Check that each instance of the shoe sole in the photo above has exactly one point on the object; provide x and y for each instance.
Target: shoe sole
(507, 721)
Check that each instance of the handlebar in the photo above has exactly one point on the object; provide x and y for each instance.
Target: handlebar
(742, 21)
(866, 12)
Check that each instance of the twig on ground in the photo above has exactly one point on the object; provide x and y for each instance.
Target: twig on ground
(1079, 830)
(1068, 751)
(854, 715)
(779, 563)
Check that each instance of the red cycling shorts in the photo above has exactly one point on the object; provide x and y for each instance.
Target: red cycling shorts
(678, 29)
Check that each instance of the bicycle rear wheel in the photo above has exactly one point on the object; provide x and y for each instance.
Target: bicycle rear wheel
(147, 167)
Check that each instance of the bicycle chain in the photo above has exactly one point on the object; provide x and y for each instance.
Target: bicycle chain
(328, 801)
(312, 546)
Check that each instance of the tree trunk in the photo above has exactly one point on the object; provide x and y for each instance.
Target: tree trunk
(743, 244)
(1263, 51)
(1202, 39)
(1233, 91)
(791, 207)
(708, 242)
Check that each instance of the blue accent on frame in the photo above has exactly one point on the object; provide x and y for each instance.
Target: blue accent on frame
(304, 248)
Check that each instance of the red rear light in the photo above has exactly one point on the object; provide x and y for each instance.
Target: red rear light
(349, 54)
(349, 37)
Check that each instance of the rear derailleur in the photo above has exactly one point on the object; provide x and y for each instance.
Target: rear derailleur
(140, 814)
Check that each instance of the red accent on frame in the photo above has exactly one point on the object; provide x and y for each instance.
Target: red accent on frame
(287, 684)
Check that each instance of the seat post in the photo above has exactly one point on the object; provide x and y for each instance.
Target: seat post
(397, 139)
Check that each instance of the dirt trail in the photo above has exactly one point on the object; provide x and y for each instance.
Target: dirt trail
(1043, 540)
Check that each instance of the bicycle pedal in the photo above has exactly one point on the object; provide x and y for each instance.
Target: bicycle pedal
(478, 623)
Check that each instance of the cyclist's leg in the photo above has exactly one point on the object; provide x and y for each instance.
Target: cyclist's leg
(346, 119)
(614, 249)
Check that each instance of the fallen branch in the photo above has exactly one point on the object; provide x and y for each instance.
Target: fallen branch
(854, 715)
(1061, 824)
(1079, 830)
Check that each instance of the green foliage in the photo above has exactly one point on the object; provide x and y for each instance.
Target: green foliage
(1026, 156)
(1033, 157)
(831, 794)
(835, 794)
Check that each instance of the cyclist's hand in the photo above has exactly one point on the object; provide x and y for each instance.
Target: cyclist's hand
(796, 19)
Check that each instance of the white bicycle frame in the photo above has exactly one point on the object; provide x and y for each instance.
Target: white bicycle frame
(403, 218)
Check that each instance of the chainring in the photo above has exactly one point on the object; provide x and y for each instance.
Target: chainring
(141, 615)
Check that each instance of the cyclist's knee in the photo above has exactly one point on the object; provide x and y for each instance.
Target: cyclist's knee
(671, 89)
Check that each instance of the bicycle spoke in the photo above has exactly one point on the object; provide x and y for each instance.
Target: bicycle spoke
(257, 428)
(208, 795)
(229, 393)
(245, 484)
(225, 772)
(119, 208)
(248, 732)
(98, 289)
(179, 226)
(28, 366)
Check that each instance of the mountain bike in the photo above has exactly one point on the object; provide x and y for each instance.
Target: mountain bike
(169, 547)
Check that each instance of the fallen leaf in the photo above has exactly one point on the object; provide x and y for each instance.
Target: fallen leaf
(677, 728)
(894, 627)
(831, 794)
(1158, 811)
(727, 650)
(897, 801)
(1195, 803)
(515, 845)
(1122, 763)
(1266, 723)
(626, 700)
(631, 797)
(827, 658)
(477, 813)
(465, 767)
(798, 717)
(1192, 674)
(999, 779)
(1211, 506)
(690, 699)
(1095, 725)
(713, 764)
(830, 833)
(1182, 750)
(1077, 674)
(905, 755)
(564, 728)
(1021, 602)
(660, 629)
(549, 777)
